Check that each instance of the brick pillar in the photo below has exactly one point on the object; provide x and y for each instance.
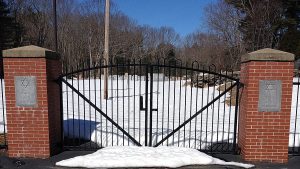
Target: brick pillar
(264, 121)
(32, 101)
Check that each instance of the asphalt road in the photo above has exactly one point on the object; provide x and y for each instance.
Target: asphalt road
(12, 163)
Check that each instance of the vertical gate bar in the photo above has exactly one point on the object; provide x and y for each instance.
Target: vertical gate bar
(163, 102)
(95, 112)
(140, 93)
(230, 112)
(213, 110)
(134, 97)
(146, 105)
(73, 110)
(67, 119)
(128, 101)
(78, 86)
(61, 114)
(174, 103)
(151, 105)
(224, 112)
(157, 101)
(179, 112)
(112, 98)
(168, 124)
(90, 111)
(191, 105)
(235, 117)
(106, 107)
(100, 96)
(202, 102)
(295, 127)
(185, 93)
(219, 103)
(84, 125)
(123, 100)
(206, 119)
(196, 106)
(117, 100)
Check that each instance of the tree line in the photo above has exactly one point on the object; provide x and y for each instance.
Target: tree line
(233, 27)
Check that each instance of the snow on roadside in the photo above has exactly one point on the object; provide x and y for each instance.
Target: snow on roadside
(131, 156)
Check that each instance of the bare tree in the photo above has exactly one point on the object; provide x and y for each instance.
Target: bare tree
(223, 20)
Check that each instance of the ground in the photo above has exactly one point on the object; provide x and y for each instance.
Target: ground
(9, 163)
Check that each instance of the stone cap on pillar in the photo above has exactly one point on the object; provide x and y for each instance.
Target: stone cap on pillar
(268, 54)
(30, 51)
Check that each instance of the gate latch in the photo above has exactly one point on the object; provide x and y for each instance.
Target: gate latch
(142, 108)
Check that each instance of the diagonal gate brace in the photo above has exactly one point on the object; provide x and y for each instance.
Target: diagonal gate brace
(195, 115)
(100, 111)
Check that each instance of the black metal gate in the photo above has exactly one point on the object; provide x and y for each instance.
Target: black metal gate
(158, 104)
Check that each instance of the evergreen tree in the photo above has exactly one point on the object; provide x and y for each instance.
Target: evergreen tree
(8, 32)
(290, 35)
(8, 28)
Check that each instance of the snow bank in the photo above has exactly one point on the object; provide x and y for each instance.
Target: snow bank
(132, 156)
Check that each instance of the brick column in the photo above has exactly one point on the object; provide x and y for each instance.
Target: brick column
(263, 122)
(32, 101)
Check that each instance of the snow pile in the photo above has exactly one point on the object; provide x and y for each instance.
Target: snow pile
(132, 156)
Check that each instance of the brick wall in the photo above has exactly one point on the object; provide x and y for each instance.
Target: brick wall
(53, 72)
(27, 127)
(263, 136)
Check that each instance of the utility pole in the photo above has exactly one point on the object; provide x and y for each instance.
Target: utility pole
(55, 24)
(106, 48)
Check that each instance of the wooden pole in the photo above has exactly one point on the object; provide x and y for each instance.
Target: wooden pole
(55, 25)
(106, 48)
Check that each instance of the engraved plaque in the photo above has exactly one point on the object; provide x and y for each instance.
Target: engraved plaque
(25, 91)
(269, 96)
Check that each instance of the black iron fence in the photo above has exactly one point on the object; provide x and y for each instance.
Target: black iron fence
(294, 136)
(166, 103)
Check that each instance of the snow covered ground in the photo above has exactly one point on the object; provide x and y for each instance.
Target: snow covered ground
(172, 157)
(174, 101)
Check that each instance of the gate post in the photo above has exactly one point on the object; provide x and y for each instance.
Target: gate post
(32, 101)
(265, 106)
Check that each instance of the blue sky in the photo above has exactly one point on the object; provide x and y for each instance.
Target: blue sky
(185, 16)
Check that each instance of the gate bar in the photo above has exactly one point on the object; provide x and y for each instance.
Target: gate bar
(235, 116)
(151, 106)
(146, 105)
(195, 115)
(100, 111)
(61, 114)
